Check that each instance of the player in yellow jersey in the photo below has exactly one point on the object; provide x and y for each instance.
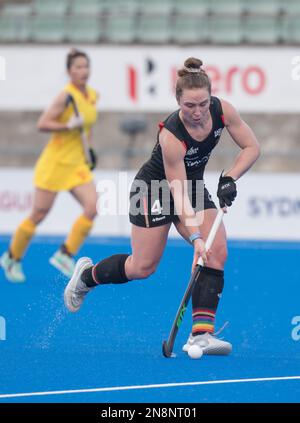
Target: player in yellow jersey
(62, 166)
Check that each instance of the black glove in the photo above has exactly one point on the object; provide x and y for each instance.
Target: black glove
(93, 159)
(226, 190)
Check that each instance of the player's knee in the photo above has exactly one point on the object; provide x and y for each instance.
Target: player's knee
(38, 215)
(90, 211)
(145, 270)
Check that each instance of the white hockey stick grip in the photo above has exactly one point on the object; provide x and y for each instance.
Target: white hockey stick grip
(212, 233)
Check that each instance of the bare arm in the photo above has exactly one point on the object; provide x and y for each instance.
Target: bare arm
(244, 137)
(48, 121)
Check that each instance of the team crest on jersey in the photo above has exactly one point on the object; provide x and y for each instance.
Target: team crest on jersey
(218, 132)
(192, 151)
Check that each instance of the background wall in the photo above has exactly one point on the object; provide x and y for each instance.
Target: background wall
(263, 88)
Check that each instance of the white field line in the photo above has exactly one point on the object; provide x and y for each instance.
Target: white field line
(154, 386)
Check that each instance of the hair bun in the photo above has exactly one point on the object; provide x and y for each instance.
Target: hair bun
(193, 65)
(191, 76)
(192, 70)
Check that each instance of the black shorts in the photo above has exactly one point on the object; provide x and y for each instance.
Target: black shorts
(154, 206)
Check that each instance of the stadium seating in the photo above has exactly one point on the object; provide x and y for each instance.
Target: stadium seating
(228, 7)
(50, 7)
(88, 7)
(225, 30)
(16, 10)
(121, 28)
(13, 29)
(291, 7)
(164, 7)
(154, 21)
(193, 7)
(261, 30)
(291, 29)
(153, 29)
(189, 29)
(83, 29)
(263, 7)
(47, 29)
(121, 6)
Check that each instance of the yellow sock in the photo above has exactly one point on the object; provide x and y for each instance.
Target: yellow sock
(21, 238)
(79, 232)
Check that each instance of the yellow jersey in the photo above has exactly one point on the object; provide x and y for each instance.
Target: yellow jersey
(62, 164)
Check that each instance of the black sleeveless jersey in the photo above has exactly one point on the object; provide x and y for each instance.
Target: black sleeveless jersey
(197, 152)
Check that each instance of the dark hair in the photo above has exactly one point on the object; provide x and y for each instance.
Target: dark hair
(73, 54)
(192, 76)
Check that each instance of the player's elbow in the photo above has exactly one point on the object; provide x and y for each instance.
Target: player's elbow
(253, 151)
(43, 124)
(40, 126)
(256, 151)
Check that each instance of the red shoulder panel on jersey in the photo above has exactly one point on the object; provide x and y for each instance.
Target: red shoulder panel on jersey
(184, 145)
(161, 125)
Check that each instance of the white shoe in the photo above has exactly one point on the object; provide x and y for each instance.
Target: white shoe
(76, 289)
(210, 344)
(12, 268)
(63, 262)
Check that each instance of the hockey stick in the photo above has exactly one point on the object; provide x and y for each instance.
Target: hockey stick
(88, 151)
(167, 347)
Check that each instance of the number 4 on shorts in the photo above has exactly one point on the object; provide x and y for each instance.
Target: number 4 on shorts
(156, 208)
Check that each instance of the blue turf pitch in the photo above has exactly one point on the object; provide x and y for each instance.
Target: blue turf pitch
(115, 340)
